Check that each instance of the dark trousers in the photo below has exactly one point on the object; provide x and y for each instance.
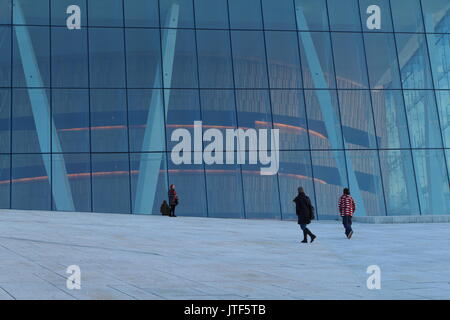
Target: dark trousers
(172, 211)
(306, 231)
(347, 222)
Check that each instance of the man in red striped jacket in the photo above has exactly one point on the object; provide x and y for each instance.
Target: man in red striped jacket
(347, 208)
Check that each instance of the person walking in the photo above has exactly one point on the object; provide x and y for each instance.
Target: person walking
(347, 208)
(173, 200)
(305, 213)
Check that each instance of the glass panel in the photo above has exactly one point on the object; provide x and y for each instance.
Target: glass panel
(60, 15)
(107, 58)
(295, 171)
(110, 183)
(283, 59)
(109, 121)
(79, 176)
(253, 108)
(5, 121)
(5, 57)
(105, 13)
(40, 42)
(443, 101)
(5, 181)
(69, 58)
(30, 128)
(448, 164)
(214, 59)
(30, 181)
(330, 178)
(141, 13)
(245, 14)
(181, 69)
(181, 10)
(146, 120)
(212, 14)
(317, 60)
(432, 181)
(289, 117)
(407, 20)
(5, 11)
(311, 15)
(398, 180)
(382, 61)
(439, 48)
(390, 119)
(422, 119)
(218, 109)
(385, 15)
(250, 69)
(156, 182)
(350, 61)
(344, 15)
(357, 120)
(278, 15)
(323, 119)
(436, 14)
(70, 112)
(367, 171)
(35, 12)
(414, 62)
(143, 58)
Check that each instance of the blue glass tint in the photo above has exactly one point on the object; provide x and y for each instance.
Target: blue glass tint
(5, 120)
(214, 59)
(111, 183)
(5, 181)
(330, 177)
(439, 48)
(344, 15)
(69, 58)
(141, 13)
(432, 181)
(443, 102)
(78, 173)
(250, 69)
(390, 119)
(31, 121)
(189, 181)
(107, 58)
(109, 131)
(382, 61)
(31, 12)
(176, 13)
(289, 117)
(218, 109)
(70, 114)
(179, 58)
(105, 13)
(148, 182)
(245, 14)
(212, 14)
(59, 13)
(5, 11)
(5, 57)
(367, 15)
(422, 119)
(31, 44)
(31, 175)
(407, 15)
(399, 183)
(283, 60)
(414, 61)
(366, 168)
(317, 60)
(350, 61)
(253, 108)
(295, 171)
(357, 120)
(324, 120)
(146, 120)
(436, 14)
(447, 151)
(278, 15)
(143, 58)
(311, 15)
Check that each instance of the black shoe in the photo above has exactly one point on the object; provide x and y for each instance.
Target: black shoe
(349, 236)
(313, 237)
(304, 241)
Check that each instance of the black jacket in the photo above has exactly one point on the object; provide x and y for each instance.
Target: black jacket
(303, 208)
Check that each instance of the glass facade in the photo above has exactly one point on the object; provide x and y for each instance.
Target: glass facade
(92, 93)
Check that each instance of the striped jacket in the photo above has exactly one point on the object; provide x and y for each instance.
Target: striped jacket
(346, 205)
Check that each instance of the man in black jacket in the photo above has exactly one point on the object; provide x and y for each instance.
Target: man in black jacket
(304, 211)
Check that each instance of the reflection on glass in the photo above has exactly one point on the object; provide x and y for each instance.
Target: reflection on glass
(344, 15)
(141, 13)
(409, 20)
(5, 182)
(278, 15)
(211, 14)
(439, 48)
(5, 120)
(105, 13)
(311, 15)
(443, 102)
(436, 14)
(245, 14)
